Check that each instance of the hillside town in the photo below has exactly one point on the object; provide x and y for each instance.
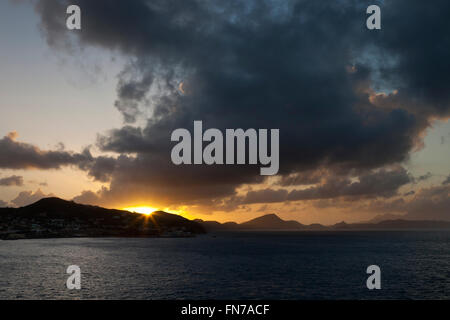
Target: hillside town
(56, 218)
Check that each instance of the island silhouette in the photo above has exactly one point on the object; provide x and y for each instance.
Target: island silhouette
(56, 218)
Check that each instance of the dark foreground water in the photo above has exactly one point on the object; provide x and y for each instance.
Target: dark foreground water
(302, 265)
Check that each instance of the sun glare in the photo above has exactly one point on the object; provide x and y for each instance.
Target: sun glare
(142, 209)
(149, 210)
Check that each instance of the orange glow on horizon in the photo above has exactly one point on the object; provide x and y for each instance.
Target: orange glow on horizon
(149, 210)
(141, 209)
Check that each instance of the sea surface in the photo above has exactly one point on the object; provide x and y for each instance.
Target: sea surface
(257, 265)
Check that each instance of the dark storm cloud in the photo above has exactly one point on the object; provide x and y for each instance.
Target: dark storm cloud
(309, 68)
(266, 196)
(420, 43)
(375, 184)
(381, 183)
(20, 155)
(128, 139)
(11, 181)
(303, 178)
(132, 92)
(102, 168)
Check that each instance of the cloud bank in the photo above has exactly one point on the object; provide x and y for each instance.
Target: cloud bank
(11, 181)
(20, 155)
(347, 99)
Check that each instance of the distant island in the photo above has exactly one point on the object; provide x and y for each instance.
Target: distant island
(57, 218)
(271, 222)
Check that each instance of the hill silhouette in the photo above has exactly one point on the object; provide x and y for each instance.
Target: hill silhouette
(54, 217)
(271, 222)
(266, 222)
(57, 208)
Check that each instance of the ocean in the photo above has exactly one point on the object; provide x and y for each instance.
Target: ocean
(250, 265)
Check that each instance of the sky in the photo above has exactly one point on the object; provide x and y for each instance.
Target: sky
(87, 115)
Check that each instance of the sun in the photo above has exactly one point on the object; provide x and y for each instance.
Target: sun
(141, 209)
(149, 210)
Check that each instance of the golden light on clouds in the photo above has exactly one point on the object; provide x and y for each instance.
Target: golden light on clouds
(12, 135)
(181, 87)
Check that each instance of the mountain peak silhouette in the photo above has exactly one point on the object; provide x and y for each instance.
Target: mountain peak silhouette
(56, 208)
(51, 202)
(271, 221)
(271, 217)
